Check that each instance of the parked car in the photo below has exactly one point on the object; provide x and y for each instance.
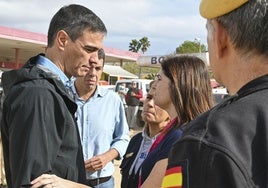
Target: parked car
(110, 87)
(144, 85)
(219, 94)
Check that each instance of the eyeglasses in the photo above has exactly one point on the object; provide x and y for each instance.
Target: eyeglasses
(157, 77)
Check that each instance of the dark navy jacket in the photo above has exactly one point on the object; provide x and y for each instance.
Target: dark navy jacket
(127, 180)
(158, 153)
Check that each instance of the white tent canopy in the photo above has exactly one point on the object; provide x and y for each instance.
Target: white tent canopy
(118, 71)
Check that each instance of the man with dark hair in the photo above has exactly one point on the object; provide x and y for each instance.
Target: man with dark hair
(227, 146)
(102, 125)
(38, 128)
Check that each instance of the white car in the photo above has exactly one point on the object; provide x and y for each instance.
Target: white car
(110, 87)
(144, 85)
(219, 94)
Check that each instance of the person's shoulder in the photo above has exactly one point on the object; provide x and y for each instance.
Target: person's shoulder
(109, 94)
(112, 94)
(136, 138)
(175, 132)
(103, 91)
(173, 135)
(137, 135)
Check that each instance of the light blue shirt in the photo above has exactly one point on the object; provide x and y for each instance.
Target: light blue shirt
(102, 125)
(45, 62)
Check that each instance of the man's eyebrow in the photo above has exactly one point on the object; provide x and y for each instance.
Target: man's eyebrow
(90, 48)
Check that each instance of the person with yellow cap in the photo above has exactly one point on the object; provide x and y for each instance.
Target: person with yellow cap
(228, 145)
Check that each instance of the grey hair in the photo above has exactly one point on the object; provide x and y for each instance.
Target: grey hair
(247, 27)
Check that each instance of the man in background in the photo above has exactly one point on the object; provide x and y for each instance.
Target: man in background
(102, 125)
(133, 97)
(122, 93)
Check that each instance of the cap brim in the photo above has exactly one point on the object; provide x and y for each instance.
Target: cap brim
(215, 8)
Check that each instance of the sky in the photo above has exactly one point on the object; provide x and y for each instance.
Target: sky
(166, 23)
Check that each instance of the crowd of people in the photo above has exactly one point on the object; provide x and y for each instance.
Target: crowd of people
(60, 129)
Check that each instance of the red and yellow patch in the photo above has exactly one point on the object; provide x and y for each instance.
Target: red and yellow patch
(173, 178)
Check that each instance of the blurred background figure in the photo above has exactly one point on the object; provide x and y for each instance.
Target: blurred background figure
(133, 97)
(122, 93)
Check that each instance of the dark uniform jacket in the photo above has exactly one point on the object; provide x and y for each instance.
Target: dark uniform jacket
(38, 129)
(227, 146)
(130, 181)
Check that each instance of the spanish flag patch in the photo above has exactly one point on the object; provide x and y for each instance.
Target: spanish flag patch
(173, 178)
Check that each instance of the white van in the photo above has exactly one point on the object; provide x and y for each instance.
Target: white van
(144, 85)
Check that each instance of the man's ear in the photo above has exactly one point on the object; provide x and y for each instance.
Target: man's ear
(62, 39)
(220, 38)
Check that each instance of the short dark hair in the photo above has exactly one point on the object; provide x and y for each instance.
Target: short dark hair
(74, 19)
(101, 55)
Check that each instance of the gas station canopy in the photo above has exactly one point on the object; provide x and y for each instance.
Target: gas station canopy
(17, 46)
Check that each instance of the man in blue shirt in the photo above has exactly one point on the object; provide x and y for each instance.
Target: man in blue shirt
(102, 125)
(38, 128)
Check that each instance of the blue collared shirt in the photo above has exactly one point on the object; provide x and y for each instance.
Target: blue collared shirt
(45, 62)
(102, 125)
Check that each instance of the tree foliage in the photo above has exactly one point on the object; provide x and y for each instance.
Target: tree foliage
(145, 44)
(146, 72)
(136, 45)
(131, 67)
(191, 47)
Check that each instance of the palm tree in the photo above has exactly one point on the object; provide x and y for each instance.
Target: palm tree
(142, 45)
(134, 46)
(145, 44)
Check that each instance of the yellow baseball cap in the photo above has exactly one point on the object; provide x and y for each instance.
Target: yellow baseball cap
(215, 8)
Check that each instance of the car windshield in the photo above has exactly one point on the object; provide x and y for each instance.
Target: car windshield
(127, 85)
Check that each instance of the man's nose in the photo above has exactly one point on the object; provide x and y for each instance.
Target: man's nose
(150, 103)
(93, 56)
